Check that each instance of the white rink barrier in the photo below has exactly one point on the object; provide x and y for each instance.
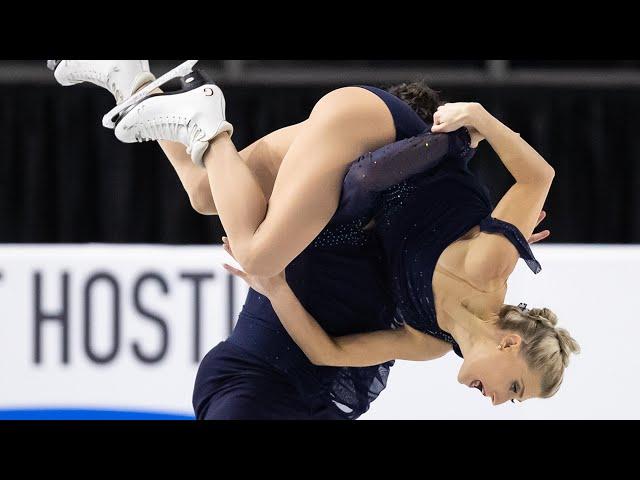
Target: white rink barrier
(117, 331)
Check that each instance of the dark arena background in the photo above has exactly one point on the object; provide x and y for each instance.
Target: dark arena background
(111, 285)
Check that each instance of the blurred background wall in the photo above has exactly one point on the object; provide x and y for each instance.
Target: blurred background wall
(59, 165)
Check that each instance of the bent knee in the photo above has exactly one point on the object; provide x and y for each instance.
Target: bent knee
(202, 204)
(260, 259)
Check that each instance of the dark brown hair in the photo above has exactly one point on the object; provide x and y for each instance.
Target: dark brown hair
(419, 96)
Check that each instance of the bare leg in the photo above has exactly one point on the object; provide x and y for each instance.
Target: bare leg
(190, 176)
(263, 158)
(343, 125)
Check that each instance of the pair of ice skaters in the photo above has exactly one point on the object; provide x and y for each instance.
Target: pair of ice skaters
(391, 247)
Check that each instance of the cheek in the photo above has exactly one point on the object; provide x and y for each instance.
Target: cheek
(495, 371)
(479, 368)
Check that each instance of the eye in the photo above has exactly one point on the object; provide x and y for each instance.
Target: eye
(514, 389)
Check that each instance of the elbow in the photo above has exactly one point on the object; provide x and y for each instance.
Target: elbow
(546, 177)
(546, 171)
(318, 360)
(543, 175)
(330, 356)
(325, 360)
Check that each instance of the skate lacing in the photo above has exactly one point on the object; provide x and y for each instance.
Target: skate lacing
(101, 79)
(169, 128)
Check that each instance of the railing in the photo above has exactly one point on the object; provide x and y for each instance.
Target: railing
(616, 74)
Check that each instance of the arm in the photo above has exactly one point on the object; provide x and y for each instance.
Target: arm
(358, 350)
(492, 257)
(392, 164)
(260, 157)
(523, 162)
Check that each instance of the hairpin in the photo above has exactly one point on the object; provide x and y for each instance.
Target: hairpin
(522, 306)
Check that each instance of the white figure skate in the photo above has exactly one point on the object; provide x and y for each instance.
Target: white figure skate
(193, 116)
(112, 117)
(120, 77)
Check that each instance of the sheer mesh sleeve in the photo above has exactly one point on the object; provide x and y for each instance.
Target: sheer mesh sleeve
(374, 172)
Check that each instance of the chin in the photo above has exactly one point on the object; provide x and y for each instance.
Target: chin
(461, 377)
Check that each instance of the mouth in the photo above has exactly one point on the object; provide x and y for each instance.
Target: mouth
(477, 384)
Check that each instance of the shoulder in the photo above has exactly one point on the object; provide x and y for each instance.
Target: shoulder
(489, 260)
(485, 261)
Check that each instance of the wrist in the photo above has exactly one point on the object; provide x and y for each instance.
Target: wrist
(478, 117)
(279, 291)
(474, 114)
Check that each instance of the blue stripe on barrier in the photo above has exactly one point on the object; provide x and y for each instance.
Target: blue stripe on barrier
(86, 414)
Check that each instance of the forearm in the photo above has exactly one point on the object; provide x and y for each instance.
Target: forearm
(355, 350)
(319, 347)
(523, 162)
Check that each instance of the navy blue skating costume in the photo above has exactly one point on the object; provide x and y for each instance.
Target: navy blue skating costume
(356, 276)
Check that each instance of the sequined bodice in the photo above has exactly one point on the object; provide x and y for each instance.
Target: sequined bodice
(415, 237)
(356, 280)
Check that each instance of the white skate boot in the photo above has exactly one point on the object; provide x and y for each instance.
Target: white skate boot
(112, 117)
(193, 116)
(120, 77)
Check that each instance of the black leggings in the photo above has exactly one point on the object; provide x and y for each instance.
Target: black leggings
(232, 385)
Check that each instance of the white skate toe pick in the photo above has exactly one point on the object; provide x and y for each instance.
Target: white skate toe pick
(121, 77)
(193, 116)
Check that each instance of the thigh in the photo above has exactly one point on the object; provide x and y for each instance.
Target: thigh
(265, 155)
(345, 124)
(255, 399)
(232, 384)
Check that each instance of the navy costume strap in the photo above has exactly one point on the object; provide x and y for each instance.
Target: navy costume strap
(495, 225)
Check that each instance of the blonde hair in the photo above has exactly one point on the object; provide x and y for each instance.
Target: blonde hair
(546, 348)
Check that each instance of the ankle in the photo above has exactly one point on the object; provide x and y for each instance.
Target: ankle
(222, 138)
(142, 80)
(157, 90)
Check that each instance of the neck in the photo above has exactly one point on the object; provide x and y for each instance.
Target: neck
(471, 331)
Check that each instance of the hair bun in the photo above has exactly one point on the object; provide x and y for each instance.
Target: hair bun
(545, 316)
(568, 345)
(419, 96)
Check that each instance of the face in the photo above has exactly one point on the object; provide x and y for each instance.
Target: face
(500, 373)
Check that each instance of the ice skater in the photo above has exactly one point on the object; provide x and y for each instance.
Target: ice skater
(392, 256)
